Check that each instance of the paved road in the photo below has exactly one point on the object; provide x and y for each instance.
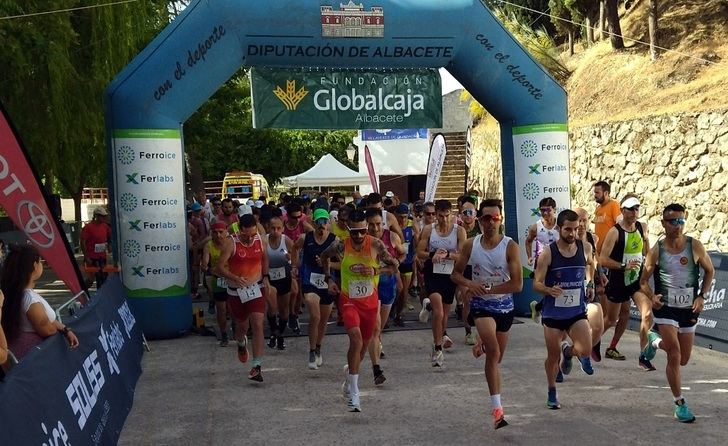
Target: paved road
(194, 392)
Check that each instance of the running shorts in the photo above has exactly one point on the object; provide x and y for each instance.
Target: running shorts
(503, 321)
(682, 318)
(366, 320)
(562, 324)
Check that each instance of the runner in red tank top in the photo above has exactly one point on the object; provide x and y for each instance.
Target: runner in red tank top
(244, 265)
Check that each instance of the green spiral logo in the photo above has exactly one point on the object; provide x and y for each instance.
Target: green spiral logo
(128, 202)
(529, 148)
(132, 248)
(530, 191)
(125, 155)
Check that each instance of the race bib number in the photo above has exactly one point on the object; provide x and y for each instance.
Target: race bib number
(249, 293)
(100, 247)
(221, 282)
(319, 281)
(631, 275)
(444, 267)
(680, 298)
(569, 298)
(277, 273)
(359, 289)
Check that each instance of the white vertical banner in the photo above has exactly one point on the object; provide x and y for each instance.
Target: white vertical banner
(438, 150)
(541, 159)
(150, 210)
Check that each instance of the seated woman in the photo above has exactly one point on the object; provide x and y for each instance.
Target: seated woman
(27, 319)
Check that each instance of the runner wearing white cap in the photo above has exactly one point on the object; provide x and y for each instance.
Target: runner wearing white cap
(623, 252)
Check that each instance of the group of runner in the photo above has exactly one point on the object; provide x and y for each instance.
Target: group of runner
(366, 256)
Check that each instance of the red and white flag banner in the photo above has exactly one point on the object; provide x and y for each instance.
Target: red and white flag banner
(26, 205)
(370, 169)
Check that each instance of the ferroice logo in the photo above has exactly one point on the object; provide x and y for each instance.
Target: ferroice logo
(528, 148)
(36, 224)
(290, 97)
(530, 191)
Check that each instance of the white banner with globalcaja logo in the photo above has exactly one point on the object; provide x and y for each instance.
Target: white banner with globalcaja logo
(541, 155)
(150, 210)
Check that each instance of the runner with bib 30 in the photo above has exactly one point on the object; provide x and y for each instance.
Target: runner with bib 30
(361, 256)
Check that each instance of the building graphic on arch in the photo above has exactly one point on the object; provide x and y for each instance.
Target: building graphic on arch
(351, 20)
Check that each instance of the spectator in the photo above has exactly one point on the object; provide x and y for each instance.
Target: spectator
(27, 319)
(95, 243)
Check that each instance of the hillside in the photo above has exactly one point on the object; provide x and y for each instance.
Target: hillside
(608, 85)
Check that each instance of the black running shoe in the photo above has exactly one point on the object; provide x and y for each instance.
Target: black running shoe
(255, 374)
(280, 343)
(272, 341)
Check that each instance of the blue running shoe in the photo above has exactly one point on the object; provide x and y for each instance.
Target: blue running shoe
(566, 361)
(586, 365)
(554, 405)
(683, 413)
(650, 350)
(559, 377)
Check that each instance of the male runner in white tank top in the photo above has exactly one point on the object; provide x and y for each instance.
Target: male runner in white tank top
(496, 275)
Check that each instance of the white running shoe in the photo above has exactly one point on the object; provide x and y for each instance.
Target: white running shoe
(446, 342)
(438, 358)
(354, 404)
(469, 339)
(319, 359)
(345, 384)
(312, 361)
(424, 314)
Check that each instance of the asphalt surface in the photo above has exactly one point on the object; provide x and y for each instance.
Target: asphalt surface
(194, 392)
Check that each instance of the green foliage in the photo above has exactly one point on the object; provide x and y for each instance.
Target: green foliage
(221, 138)
(55, 69)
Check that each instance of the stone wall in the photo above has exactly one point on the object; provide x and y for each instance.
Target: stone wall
(663, 159)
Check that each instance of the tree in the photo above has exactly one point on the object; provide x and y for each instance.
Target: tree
(563, 19)
(615, 30)
(57, 66)
(652, 22)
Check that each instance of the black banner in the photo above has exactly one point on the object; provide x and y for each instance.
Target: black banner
(62, 396)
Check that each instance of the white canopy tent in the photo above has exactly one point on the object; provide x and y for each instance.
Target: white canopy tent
(327, 171)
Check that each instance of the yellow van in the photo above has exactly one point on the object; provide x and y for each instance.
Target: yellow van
(244, 185)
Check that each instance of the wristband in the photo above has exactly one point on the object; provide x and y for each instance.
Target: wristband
(700, 296)
(65, 330)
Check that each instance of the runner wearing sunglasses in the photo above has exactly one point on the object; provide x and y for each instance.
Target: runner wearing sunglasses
(623, 253)
(294, 225)
(543, 232)
(313, 282)
(677, 300)
(361, 256)
(440, 246)
(468, 216)
(496, 274)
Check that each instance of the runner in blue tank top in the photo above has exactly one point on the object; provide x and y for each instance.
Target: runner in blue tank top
(563, 278)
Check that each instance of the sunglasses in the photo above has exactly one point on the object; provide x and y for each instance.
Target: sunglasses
(488, 217)
(322, 221)
(469, 212)
(545, 210)
(357, 231)
(430, 213)
(675, 221)
(633, 208)
(294, 217)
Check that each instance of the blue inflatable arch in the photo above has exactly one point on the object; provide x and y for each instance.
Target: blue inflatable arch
(148, 102)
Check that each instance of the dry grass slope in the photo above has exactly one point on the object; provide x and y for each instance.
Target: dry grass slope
(609, 85)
